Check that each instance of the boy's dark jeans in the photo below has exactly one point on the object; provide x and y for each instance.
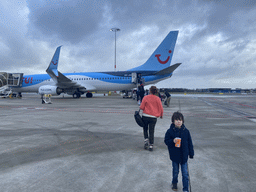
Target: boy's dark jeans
(175, 173)
(149, 127)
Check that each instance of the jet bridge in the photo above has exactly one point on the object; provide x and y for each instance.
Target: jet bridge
(9, 80)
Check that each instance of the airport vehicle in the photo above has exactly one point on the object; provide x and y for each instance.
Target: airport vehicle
(155, 69)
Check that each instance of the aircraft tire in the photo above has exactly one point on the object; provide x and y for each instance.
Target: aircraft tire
(76, 95)
(89, 95)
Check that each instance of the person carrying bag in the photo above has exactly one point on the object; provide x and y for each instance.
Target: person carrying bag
(152, 109)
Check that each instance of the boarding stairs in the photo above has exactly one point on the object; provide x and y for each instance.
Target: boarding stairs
(8, 81)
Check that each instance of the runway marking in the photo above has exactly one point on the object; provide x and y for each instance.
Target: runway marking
(244, 105)
(116, 111)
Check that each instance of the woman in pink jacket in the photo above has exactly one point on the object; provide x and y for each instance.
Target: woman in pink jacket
(152, 109)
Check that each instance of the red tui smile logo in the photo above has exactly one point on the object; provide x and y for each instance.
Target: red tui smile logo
(55, 63)
(160, 61)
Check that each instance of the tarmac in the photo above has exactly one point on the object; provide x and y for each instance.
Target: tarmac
(94, 145)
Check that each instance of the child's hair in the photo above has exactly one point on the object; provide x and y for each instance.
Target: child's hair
(177, 116)
(153, 90)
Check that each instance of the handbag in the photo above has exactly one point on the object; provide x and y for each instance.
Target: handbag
(138, 118)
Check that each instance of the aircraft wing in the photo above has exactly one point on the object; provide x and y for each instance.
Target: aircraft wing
(66, 83)
(168, 70)
(61, 80)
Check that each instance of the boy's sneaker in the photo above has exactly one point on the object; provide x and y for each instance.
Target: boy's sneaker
(146, 144)
(174, 187)
(150, 148)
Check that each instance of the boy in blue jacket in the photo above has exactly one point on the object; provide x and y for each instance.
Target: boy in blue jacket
(179, 155)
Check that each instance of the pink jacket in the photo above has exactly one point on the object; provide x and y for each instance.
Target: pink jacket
(152, 105)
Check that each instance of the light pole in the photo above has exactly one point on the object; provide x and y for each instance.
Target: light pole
(115, 30)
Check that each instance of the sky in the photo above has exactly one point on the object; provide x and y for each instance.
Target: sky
(216, 43)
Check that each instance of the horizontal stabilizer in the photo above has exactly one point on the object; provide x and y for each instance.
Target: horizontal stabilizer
(168, 70)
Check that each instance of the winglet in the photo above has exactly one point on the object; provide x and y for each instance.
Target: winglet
(52, 68)
(168, 70)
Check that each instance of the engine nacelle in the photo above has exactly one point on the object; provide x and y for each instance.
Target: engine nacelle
(49, 89)
(82, 90)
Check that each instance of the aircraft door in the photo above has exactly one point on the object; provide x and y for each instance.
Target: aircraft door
(134, 78)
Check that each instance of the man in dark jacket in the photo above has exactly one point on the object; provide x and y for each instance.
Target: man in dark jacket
(141, 92)
(179, 154)
(167, 98)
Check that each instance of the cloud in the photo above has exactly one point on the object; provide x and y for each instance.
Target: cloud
(69, 21)
(216, 42)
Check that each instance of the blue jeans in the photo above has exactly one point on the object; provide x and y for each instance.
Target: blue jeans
(175, 173)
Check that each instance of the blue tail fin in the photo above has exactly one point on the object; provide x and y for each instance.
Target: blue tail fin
(162, 56)
(53, 66)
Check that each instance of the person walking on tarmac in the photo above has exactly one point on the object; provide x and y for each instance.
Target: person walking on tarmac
(138, 96)
(141, 92)
(180, 146)
(167, 99)
(152, 109)
(42, 97)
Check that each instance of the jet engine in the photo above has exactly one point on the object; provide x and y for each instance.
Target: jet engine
(49, 89)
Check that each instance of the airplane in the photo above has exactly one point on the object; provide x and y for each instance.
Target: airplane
(155, 69)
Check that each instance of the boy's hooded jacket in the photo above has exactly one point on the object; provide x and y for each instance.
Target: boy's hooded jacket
(179, 155)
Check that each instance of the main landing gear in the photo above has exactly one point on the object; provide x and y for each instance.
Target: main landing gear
(76, 95)
(89, 95)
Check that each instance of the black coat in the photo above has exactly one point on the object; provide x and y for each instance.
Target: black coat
(179, 155)
(167, 94)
